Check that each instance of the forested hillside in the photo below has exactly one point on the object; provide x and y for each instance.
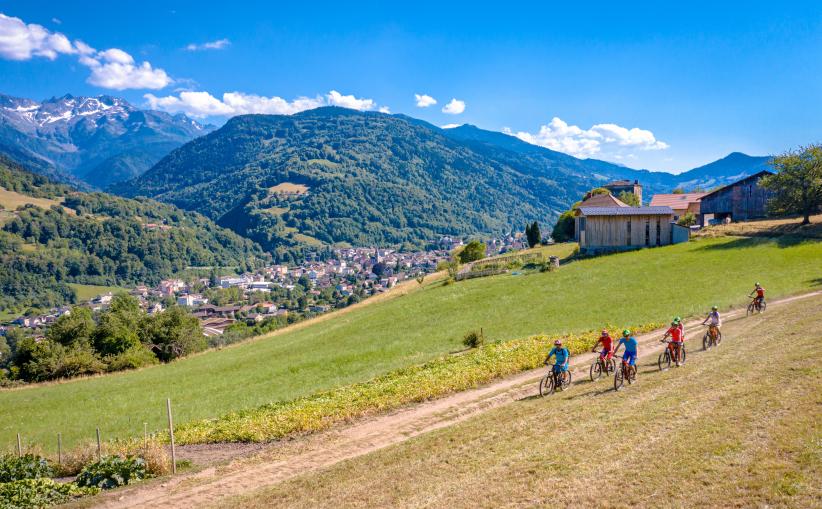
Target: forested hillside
(51, 235)
(333, 175)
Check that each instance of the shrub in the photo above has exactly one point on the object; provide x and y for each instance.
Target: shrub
(31, 493)
(112, 472)
(473, 339)
(133, 358)
(28, 466)
(473, 251)
(689, 219)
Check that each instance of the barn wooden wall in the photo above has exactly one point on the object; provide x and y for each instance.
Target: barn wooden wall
(612, 231)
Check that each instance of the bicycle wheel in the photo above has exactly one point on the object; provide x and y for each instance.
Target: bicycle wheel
(619, 379)
(631, 374)
(762, 307)
(706, 341)
(718, 338)
(596, 370)
(565, 380)
(682, 354)
(664, 360)
(610, 366)
(750, 309)
(546, 385)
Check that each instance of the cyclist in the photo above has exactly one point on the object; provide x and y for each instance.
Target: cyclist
(561, 356)
(714, 318)
(675, 333)
(760, 294)
(607, 346)
(678, 322)
(631, 348)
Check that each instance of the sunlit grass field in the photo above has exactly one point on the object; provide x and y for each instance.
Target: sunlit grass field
(637, 287)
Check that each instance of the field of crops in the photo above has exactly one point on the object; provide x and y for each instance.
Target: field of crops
(411, 329)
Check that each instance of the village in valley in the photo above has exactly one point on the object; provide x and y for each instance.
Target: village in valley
(602, 223)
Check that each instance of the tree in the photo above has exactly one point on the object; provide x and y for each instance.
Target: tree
(564, 229)
(596, 191)
(629, 198)
(678, 190)
(689, 219)
(72, 328)
(797, 185)
(533, 235)
(173, 333)
(473, 251)
(118, 329)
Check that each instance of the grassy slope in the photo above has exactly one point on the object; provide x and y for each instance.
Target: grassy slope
(86, 292)
(636, 287)
(738, 434)
(10, 200)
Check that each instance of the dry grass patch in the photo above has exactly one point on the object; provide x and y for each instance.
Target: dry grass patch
(766, 228)
(11, 200)
(739, 426)
(288, 188)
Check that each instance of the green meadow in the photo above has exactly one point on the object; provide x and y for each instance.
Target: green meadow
(636, 287)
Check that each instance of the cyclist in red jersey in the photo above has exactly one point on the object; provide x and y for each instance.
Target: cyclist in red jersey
(760, 293)
(607, 346)
(677, 337)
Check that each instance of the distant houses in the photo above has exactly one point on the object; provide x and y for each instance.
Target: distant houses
(741, 201)
(681, 204)
(625, 186)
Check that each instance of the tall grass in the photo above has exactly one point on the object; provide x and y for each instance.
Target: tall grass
(413, 384)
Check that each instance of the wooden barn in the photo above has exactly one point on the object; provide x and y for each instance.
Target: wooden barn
(601, 229)
(740, 201)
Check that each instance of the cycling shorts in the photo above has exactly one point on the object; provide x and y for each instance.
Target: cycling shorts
(629, 357)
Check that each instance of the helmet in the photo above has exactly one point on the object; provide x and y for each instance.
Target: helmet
(558, 342)
(714, 308)
(677, 319)
(604, 332)
(626, 332)
(756, 284)
(674, 323)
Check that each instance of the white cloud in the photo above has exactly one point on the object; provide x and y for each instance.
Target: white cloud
(455, 107)
(334, 98)
(116, 69)
(112, 68)
(203, 104)
(424, 100)
(610, 139)
(449, 126)
(218, 44)
(384, 109)
(56, 21)
(19, 41)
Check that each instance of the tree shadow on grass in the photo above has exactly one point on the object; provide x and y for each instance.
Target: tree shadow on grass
(784, 241)
(815, 282)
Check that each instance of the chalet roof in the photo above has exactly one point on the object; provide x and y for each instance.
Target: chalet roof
(603, 200)
(676, 201)
(625, 211)
(756, 176)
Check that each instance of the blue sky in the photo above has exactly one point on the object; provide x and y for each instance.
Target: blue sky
(636, 83)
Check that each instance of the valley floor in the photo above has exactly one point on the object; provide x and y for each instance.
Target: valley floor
(738, 426)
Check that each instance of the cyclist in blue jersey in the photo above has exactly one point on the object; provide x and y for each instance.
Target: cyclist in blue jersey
(561, 357)
(631, 348)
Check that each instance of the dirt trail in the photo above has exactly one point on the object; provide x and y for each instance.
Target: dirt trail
(288, 459)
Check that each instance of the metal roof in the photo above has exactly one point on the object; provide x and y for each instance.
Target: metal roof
(749, 177)
(626, 211)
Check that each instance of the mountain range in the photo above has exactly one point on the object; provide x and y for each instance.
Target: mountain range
(90, 141)
(338, 176)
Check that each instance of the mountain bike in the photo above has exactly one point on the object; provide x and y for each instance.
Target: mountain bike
(712, 337)
(666, 358)
(622, 373)
(602, 367)
(756, 306)
(553, 381)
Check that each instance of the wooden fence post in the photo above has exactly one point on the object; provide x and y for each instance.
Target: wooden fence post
(99, 446)
(19, 447)
(59, 448)
(145, 438)
(171, 435)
